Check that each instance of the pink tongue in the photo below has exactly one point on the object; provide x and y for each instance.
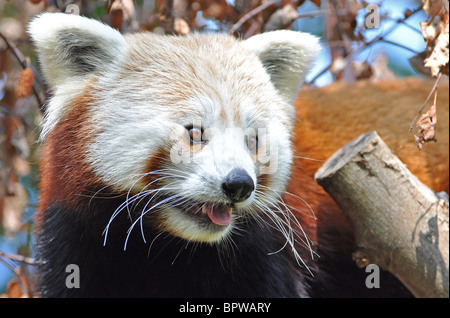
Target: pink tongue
(220, 214)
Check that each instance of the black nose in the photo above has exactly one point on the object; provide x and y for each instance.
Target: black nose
(238, 185)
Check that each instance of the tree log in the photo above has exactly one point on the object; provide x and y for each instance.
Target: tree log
(400, 224)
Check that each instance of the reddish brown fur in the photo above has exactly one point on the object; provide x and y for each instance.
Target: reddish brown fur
(156, 162)
(63, 158)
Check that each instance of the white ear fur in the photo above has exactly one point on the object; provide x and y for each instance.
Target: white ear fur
(286, 56)
(72, 46)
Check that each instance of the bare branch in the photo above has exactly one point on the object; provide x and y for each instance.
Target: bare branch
(251, 14)
(18, 258)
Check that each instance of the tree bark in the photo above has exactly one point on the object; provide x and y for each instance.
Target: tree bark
(400, 224)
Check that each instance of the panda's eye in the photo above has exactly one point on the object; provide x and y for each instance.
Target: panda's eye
(252, 143)
(195, 135)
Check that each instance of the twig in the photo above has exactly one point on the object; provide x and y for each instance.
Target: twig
(21, 59)
(319, 13)
(18, 258)
(22, 278)
(400, 46)
(311, 14)
(250, 15)
(24, 282)
(402, 21)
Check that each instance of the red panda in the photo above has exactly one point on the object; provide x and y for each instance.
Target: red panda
(166, 165)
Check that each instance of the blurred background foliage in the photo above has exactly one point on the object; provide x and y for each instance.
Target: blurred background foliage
(359, 43)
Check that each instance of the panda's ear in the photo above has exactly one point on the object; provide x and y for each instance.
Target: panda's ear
(73, 47)
(286, 56)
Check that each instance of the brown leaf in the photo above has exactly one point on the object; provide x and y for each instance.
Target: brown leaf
(417, 61)
(427, 125)
(13, 289)
(117, 19)
(435, 32)
(407, 13)
(219, 10)
(181, 26)
(317, 2)
(281, 18)
(19, 286)
(419, 142)
(381, 69)
(439, 57)
(25, 83)
(361, 70)
(434, 7)
(14, 207)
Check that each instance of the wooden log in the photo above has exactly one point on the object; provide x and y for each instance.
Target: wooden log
(400, 224)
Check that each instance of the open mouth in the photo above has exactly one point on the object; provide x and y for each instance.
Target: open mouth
(196, 220)
(215, 212)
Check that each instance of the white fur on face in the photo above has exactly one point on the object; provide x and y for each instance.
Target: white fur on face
(146, 89)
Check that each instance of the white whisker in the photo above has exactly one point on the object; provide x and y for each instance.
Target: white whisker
(142, 194)
(283, 220)
(307, 158)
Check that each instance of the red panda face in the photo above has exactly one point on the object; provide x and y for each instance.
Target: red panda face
(196, 129)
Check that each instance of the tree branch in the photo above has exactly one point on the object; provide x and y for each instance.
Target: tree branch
(400, 224)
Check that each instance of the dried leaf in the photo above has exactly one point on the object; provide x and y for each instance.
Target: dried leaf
(439, 57)
(181, 26)
(25, 84)
(361, 70)
(317, 2)
(13, 289)
(127, 6)
(434, 7)
(14, 207)
(407, 13)
(435, 32)
(427, 125)
(219, 10)
(19, 286)
(417, 61)
(281, 18)
(419, 143)
(381, 69)
(117, 19)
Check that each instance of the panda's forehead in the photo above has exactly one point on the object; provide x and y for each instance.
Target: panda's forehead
(224, 111)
